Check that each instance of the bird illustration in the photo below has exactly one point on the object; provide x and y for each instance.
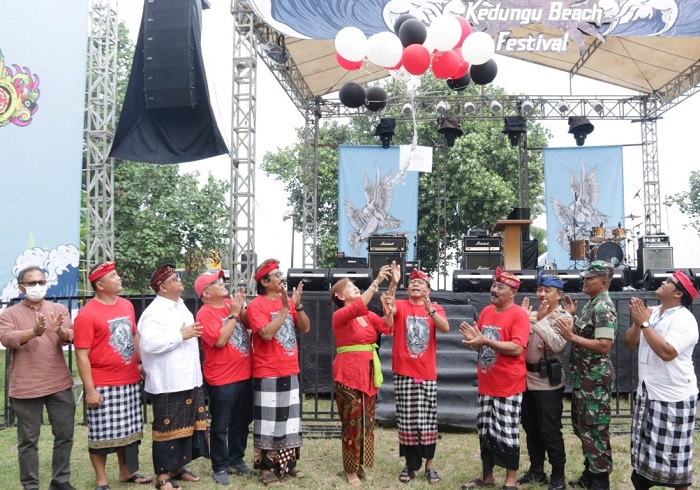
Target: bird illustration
(374, 216)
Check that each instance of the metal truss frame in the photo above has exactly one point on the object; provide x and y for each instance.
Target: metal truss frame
(100, 127)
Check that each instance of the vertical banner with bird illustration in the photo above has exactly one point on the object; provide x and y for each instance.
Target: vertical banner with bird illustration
(375, 197)
(584, 194)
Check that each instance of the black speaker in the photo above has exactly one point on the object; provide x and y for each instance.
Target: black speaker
(361, 277)
(472, 280)
(481, 261)
(654, 277)
(571, 278)
(695, 274)
(377, 260)
(619, 280)
(528, 280)
(169, 54)
(351, 262)
(313, 279)
(654, 258)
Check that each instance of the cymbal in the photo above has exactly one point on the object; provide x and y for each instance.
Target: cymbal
(631, 216)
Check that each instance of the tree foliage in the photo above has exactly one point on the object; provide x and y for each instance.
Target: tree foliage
(688, 201)
(481, 172)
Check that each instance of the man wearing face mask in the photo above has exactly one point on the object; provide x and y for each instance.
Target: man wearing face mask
(35, 331)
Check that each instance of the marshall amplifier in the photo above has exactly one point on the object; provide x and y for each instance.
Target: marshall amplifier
(387, 244)
(485, 245)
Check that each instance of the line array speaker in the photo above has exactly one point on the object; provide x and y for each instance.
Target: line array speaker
(654, 277)
(313, 279)
(478, 280)
(361, 277)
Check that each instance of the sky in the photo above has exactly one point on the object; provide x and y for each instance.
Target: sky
(277, 117)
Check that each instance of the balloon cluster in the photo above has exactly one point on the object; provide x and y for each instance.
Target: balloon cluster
(448, 47)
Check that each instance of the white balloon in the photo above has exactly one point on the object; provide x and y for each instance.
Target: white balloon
(384, 49)
(445, 32)
(478, 48)
(429, 45)
(351, 44)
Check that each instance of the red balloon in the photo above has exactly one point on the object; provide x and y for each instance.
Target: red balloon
(463, 66)
(445, 64)
(416, 59)
(348, 65)
(466, 30)
(398, 65)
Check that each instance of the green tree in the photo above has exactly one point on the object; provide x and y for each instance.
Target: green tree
(688, 201)
(481, 171)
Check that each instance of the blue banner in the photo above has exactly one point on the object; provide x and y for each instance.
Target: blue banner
(42, 109)
(375, 197)
(585, 205)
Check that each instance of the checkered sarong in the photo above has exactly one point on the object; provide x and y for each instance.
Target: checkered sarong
(416, 411)
(117, 421)
(662, 439)
(277, 415)
(497, 425)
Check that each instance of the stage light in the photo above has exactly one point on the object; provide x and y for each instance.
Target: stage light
(385, 130)
(515, 127)
(276, 53)
(563, 107)
(449, 128)
(598, 107)
(442, 107)
(495, 107)
(407, 109)
(527, 107)
(580, 127)
(469, 108)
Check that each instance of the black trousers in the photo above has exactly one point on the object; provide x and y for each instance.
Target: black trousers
(541, 418)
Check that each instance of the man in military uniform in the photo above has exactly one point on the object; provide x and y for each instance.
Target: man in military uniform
(592, 374)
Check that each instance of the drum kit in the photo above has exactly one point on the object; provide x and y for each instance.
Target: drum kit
(601, 244)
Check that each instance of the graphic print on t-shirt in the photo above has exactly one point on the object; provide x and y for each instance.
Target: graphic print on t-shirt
(121, 338)
(286, 336)
(417, 335)
(239, 339)
(487, 356)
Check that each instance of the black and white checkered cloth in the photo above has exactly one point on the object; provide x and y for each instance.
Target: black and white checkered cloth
(277, 416)
(662, 439)
(498, 419)
(416, 410)
(117, 421)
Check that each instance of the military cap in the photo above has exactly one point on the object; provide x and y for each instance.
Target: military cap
(598, 268)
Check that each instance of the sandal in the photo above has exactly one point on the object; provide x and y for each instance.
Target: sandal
(161, 483)
(269, 479)
(406, 475)
(432, 476)
(362, 474)
(295, 473)
(185, 475)
(477, 482)
(133, 479)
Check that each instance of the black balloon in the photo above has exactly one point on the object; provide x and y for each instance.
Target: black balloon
(483, 74)
(376, 99)
(459, 83)
(402, 18)
(412, 31)
(352, 95)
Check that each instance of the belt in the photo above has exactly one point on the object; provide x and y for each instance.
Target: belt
(533, 367)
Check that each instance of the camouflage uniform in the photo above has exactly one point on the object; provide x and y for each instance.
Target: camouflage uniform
(592, 379)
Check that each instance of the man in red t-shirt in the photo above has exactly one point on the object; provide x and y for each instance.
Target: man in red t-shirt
(500, 335)
(413, 361)
(228, 371)
(106, 351)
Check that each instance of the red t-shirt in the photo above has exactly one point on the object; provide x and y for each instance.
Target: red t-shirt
(108, 331)
(353, 368)
(414, 351)
(234, 361)
(501, 375)
(279, 356)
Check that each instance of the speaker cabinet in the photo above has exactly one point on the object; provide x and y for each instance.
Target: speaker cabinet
(313, 279)
(528, 280)
(169, 53)
(377, 260)
(571, 278)
(351, 262)
(655, 258)
(361, 277)
(654, 277)
(481, 261)
(479, 280)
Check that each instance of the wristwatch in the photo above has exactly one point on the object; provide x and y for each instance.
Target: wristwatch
(644, 325)
(231, 316)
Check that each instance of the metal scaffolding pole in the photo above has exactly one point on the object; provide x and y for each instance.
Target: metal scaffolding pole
(310, 188)
(650, 165)
(101, 122)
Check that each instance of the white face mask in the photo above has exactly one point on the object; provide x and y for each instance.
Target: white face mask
(35, 293)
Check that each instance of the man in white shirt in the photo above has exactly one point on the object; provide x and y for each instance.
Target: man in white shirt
(170, 355)
(664, 414)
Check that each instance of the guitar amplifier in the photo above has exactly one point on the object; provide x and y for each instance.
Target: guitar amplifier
(485, 245)
(387, 244)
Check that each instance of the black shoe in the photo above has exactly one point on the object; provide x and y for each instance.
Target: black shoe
(582, 482)
(61, 486)
(533, 476)
(557, 484)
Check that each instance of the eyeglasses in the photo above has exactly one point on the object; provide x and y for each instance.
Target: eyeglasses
(219, 282)
(34, 283)
(671, 281)
(175, 277)
(278, 274)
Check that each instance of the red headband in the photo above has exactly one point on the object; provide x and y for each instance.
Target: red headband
(267, 267)
(161, 275)
(686, 283)
(102, 270)
(507, 278)
(416, 274)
